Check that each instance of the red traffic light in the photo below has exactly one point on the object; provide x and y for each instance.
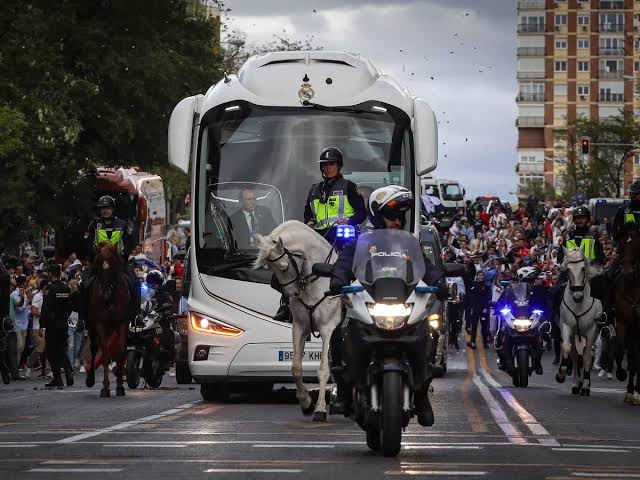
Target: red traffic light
(585, 146)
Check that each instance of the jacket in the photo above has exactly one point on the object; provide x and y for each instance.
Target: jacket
(331, 200)
(117, 232)
(57, 306)
(581, 238)
(627, 218)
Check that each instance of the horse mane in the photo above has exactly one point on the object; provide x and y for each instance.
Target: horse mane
(109, 257)
(286, 233)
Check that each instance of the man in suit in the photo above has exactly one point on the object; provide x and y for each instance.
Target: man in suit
(250, 219)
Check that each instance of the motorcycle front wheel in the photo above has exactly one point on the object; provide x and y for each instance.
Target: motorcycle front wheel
(523, 368)
(154, 375)
(391, 434)
(133, 369)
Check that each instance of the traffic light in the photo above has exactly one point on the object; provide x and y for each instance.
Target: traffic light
(585, 146)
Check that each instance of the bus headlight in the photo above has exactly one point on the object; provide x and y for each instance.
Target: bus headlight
(389, 317)
(200, 323)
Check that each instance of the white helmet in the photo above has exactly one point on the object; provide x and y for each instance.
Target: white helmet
(528, 274)
(390, 199)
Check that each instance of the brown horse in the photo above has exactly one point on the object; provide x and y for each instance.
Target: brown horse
(627, 306)
(108, 314)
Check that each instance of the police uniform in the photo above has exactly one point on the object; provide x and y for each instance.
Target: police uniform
(582, 239)
(56, 309)
(627, 219)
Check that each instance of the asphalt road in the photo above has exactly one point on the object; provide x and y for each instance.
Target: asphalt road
(484, 429)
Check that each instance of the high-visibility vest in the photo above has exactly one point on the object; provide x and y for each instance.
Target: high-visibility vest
(587, 245)
(336, 207)
(102, 235)
(629, 217)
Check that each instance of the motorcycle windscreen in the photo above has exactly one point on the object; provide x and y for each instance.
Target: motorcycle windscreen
(521, 294)
(388, 254)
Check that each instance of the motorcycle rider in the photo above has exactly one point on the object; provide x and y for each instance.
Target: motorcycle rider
(536, 296)
(388, 207)
(162, 296)
(334, 201)
(108, 228)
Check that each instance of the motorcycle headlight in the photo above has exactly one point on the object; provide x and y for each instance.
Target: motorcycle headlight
(434, 321)
(390, 317)
(522, 324)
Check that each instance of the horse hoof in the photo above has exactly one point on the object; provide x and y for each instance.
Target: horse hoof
(312, 405)
(320, 417)
(575, 390)
(90, 381)
(560, 378)
(585, 392)
(119, 391)
(105, 393)
(621, 375)
(628, 398)
(636, 398)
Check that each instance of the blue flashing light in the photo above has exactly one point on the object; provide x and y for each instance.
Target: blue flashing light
(426, 289)
(538, 312)
(352, 289)
(144, 287)
(345, 232)
(601, 200)
(505, 311)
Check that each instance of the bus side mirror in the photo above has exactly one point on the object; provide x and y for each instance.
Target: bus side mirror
(181, 131)
(425, 137)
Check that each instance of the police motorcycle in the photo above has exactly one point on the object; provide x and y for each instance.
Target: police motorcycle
(519, 341)
(151, 341)
(385, 334)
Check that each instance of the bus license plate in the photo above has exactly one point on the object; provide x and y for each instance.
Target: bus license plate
(308, 356)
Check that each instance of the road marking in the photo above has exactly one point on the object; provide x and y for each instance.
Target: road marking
(291, 445)
(477, 423)
(129, 445)
(512, 433)
(75, 470)
(576, 449)
(438, 472)
(544, 437)
(18, 445)
(605, 475)
(253, 470)
(634, 447)
(121, 426)
(442, 447)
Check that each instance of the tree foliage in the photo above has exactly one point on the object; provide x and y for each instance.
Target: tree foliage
(86, 83)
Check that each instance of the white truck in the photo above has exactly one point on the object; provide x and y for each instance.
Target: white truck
(263, 130)
(450, 195)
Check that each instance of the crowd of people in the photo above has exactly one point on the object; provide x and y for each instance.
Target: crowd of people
(27, 348)
(497, 243)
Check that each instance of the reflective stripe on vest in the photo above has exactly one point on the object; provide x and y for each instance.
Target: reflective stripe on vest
(587, 245)
(103, 236)
(336, 208)
(629, 217)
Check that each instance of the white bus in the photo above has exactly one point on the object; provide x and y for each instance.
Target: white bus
(262, 130)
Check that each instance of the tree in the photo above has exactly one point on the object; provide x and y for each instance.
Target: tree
(602, 173)
(86, 83)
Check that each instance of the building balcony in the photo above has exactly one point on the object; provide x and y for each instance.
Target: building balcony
(611, 4)
(531, 28)
(612, 98)
(531, 5)
(614, 75)
(531, 51)
(530, 97)
(612, 52)
(536, 167)
(530, 75)
(530, 122)
(611, 27)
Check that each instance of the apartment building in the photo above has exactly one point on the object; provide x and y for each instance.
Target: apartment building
(575, 58)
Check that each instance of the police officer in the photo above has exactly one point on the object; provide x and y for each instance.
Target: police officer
(628, 216)
(54, 319)
(388, 207)
(335, 200)
(108, 228)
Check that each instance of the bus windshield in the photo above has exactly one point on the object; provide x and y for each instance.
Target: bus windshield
(264, 160)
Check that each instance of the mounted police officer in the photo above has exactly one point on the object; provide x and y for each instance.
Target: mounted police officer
(628, 216)
(335, 200)
(388, 207)
(54, 320)
(108, 228)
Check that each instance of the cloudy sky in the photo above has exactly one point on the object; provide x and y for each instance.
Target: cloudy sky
(467, 46)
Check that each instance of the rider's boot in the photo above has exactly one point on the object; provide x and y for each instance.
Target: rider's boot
(423, 407)
(339, 402)
(283, 314)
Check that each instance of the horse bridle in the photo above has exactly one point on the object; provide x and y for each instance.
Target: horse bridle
(292, 261)
(579, 288)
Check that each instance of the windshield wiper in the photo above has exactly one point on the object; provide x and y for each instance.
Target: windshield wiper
(317, 106)
(230, 262)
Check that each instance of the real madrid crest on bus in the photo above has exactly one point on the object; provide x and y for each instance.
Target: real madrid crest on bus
(306, 92)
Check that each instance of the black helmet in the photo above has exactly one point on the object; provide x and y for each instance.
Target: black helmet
(582, 211)
(331, 154)
(634, 189)
(106, 201)
(155, 277)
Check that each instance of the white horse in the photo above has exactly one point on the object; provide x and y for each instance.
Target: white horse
(577, 321)
(290, 251)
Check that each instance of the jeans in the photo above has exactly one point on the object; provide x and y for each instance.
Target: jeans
(74, 344)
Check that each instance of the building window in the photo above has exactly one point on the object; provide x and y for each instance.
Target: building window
(607, 96)
(583, 20)
(531, 92)
(583, 90)
(560, 112)
(530, 159)
(611, 22)
(636, 43)
(561, 20)
(636, 160)
(560, 89)
(583, 66)
(561, 42)
(530, 178)
(583, 43)
(561, 66)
